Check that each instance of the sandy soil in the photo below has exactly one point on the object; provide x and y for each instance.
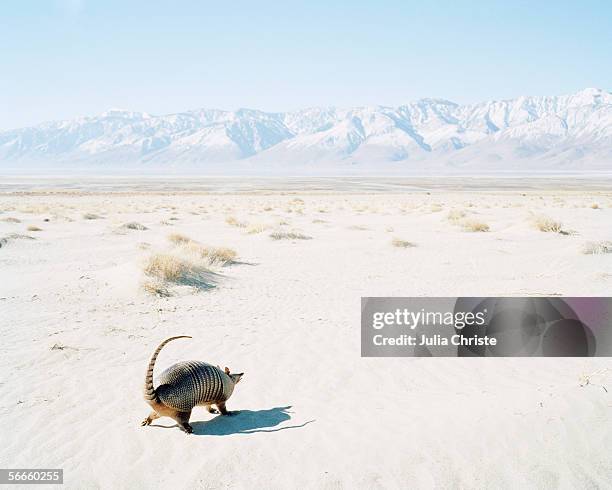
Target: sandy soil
(78, 328)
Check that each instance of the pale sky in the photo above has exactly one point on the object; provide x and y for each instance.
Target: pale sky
(65, 58)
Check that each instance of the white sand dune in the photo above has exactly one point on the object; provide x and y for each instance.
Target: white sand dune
(77, 332)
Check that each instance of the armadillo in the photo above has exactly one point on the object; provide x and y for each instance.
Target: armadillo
(185, 385)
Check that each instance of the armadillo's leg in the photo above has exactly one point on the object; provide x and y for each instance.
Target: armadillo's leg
(152, 416)
(211, 409)
(182, 418)
(223, 410)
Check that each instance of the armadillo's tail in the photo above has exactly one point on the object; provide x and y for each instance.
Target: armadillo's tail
(149, 391)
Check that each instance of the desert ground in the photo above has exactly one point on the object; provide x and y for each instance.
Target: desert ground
(267, 276)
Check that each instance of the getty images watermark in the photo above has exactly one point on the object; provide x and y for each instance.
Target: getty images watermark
(486, 327)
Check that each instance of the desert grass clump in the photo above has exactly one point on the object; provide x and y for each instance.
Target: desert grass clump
(175, 270)
(91, 216)
(595, 248)
(156, 288)
(455, 215)
(178, 238)
(475, 226)
(213, 256)
(595, 206)
(291, 235)
(547, 224)
(167, 267)
(34, 228)
(133, 225)
(256, 228)
(10, 219)
(232, 221)
(358, 228)
(397, 242)
(219, 255)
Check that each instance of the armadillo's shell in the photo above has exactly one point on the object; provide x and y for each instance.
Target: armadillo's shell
(187, 384)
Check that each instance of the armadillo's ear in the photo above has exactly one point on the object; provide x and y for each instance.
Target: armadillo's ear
(227, 370)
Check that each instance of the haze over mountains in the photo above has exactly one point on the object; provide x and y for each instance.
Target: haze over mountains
(544, 133)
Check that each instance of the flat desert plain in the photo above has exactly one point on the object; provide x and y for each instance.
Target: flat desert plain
(267, 276)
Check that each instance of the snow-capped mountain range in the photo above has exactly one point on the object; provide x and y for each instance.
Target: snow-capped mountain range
(545, 132)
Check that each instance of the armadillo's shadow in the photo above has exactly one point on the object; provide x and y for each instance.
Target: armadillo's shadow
(246, 422)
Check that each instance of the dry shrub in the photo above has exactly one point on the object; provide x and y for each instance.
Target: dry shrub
(167, 267)
(595, 248)
(156, 288)
(212, 255)
(397, 242)
(358, 228)
(172, 269)
(291, 235)
(91, 216)
(232, 221)
(133, 225)
(10, 219)
(547, 224)
(455, 215)
(34, 228)
(178, 238)
(595, 206)
(475, 226)
(256, 228)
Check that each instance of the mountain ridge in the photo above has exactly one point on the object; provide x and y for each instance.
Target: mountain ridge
(568, 131)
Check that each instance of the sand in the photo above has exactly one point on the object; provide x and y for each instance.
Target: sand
(77, 331)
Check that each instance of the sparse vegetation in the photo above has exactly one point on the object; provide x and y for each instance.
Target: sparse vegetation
(475, 226)
(455, 215)
(34, 228)
(546, 224)
(133, 225)
(256, 228)
(156, 288)
(10, 219)
(232, 221)
(212, 255)
(291, 235)
(595, 248)
(397, 242)
(172, 269)
(91, 216)
(178, 238)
